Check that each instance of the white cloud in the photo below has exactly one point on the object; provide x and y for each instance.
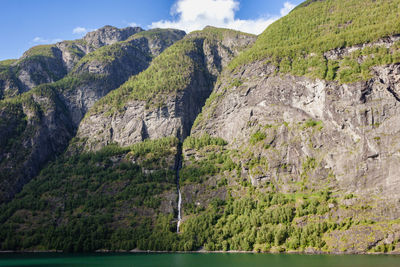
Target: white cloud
(133, 24)
(40, 40)
(80, 30)
(195, 15)
(287, 7)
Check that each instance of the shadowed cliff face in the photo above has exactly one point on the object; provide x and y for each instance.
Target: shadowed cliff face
(175, 111)
(33, 130)
(50, 113)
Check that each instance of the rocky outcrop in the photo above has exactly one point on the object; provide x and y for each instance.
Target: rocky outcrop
(107, 35)
(9, 84)
(175, 116)
(38, 67)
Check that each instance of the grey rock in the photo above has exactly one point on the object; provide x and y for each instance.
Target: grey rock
(107, 35)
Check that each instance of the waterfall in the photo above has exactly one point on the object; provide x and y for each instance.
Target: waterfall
(178, 166)
(179, 208)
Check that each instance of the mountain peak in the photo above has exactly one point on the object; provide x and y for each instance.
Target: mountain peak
(109, 35)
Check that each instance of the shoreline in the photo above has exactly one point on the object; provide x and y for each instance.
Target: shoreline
(136, 251)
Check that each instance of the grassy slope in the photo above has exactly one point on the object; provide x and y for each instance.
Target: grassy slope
(296, 43)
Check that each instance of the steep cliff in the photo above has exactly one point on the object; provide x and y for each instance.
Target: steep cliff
(33, 129)
(304, 115)
(108, 67)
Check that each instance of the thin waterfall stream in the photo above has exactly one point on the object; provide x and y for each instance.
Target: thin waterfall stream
(178, 167)
(179, 202)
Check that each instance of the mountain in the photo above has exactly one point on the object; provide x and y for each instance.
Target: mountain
(288, 141)
(49, 63)
(37, 125)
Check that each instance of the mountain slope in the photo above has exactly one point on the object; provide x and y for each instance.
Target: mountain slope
(299, 43)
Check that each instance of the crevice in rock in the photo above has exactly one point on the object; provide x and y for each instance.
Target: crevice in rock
(395, 94)
(144, 133)
(366, 92)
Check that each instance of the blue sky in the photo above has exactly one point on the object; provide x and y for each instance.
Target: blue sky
(26, 23)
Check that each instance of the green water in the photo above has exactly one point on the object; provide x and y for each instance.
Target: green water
(193, 260)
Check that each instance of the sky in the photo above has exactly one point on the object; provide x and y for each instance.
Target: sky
(26, 23)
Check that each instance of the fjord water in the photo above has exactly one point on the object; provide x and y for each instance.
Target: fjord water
(196, 259)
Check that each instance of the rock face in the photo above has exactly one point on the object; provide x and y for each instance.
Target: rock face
(137, 121)
(336, 134)
(107, 35)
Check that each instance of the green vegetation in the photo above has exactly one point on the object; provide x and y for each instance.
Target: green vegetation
(7, 74)
(296, 43)
(312, 124)
(170, 72)
(74, 47)
(45, 56)
(257, 137)
(73, 81)
(214, 159)
(167, 36)
(123, 49)
(204, 140)
(113, 199)
(5, 64)
(213, 33)
(108, 54)
(260, 222)
(21, 119)
(40, 51)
